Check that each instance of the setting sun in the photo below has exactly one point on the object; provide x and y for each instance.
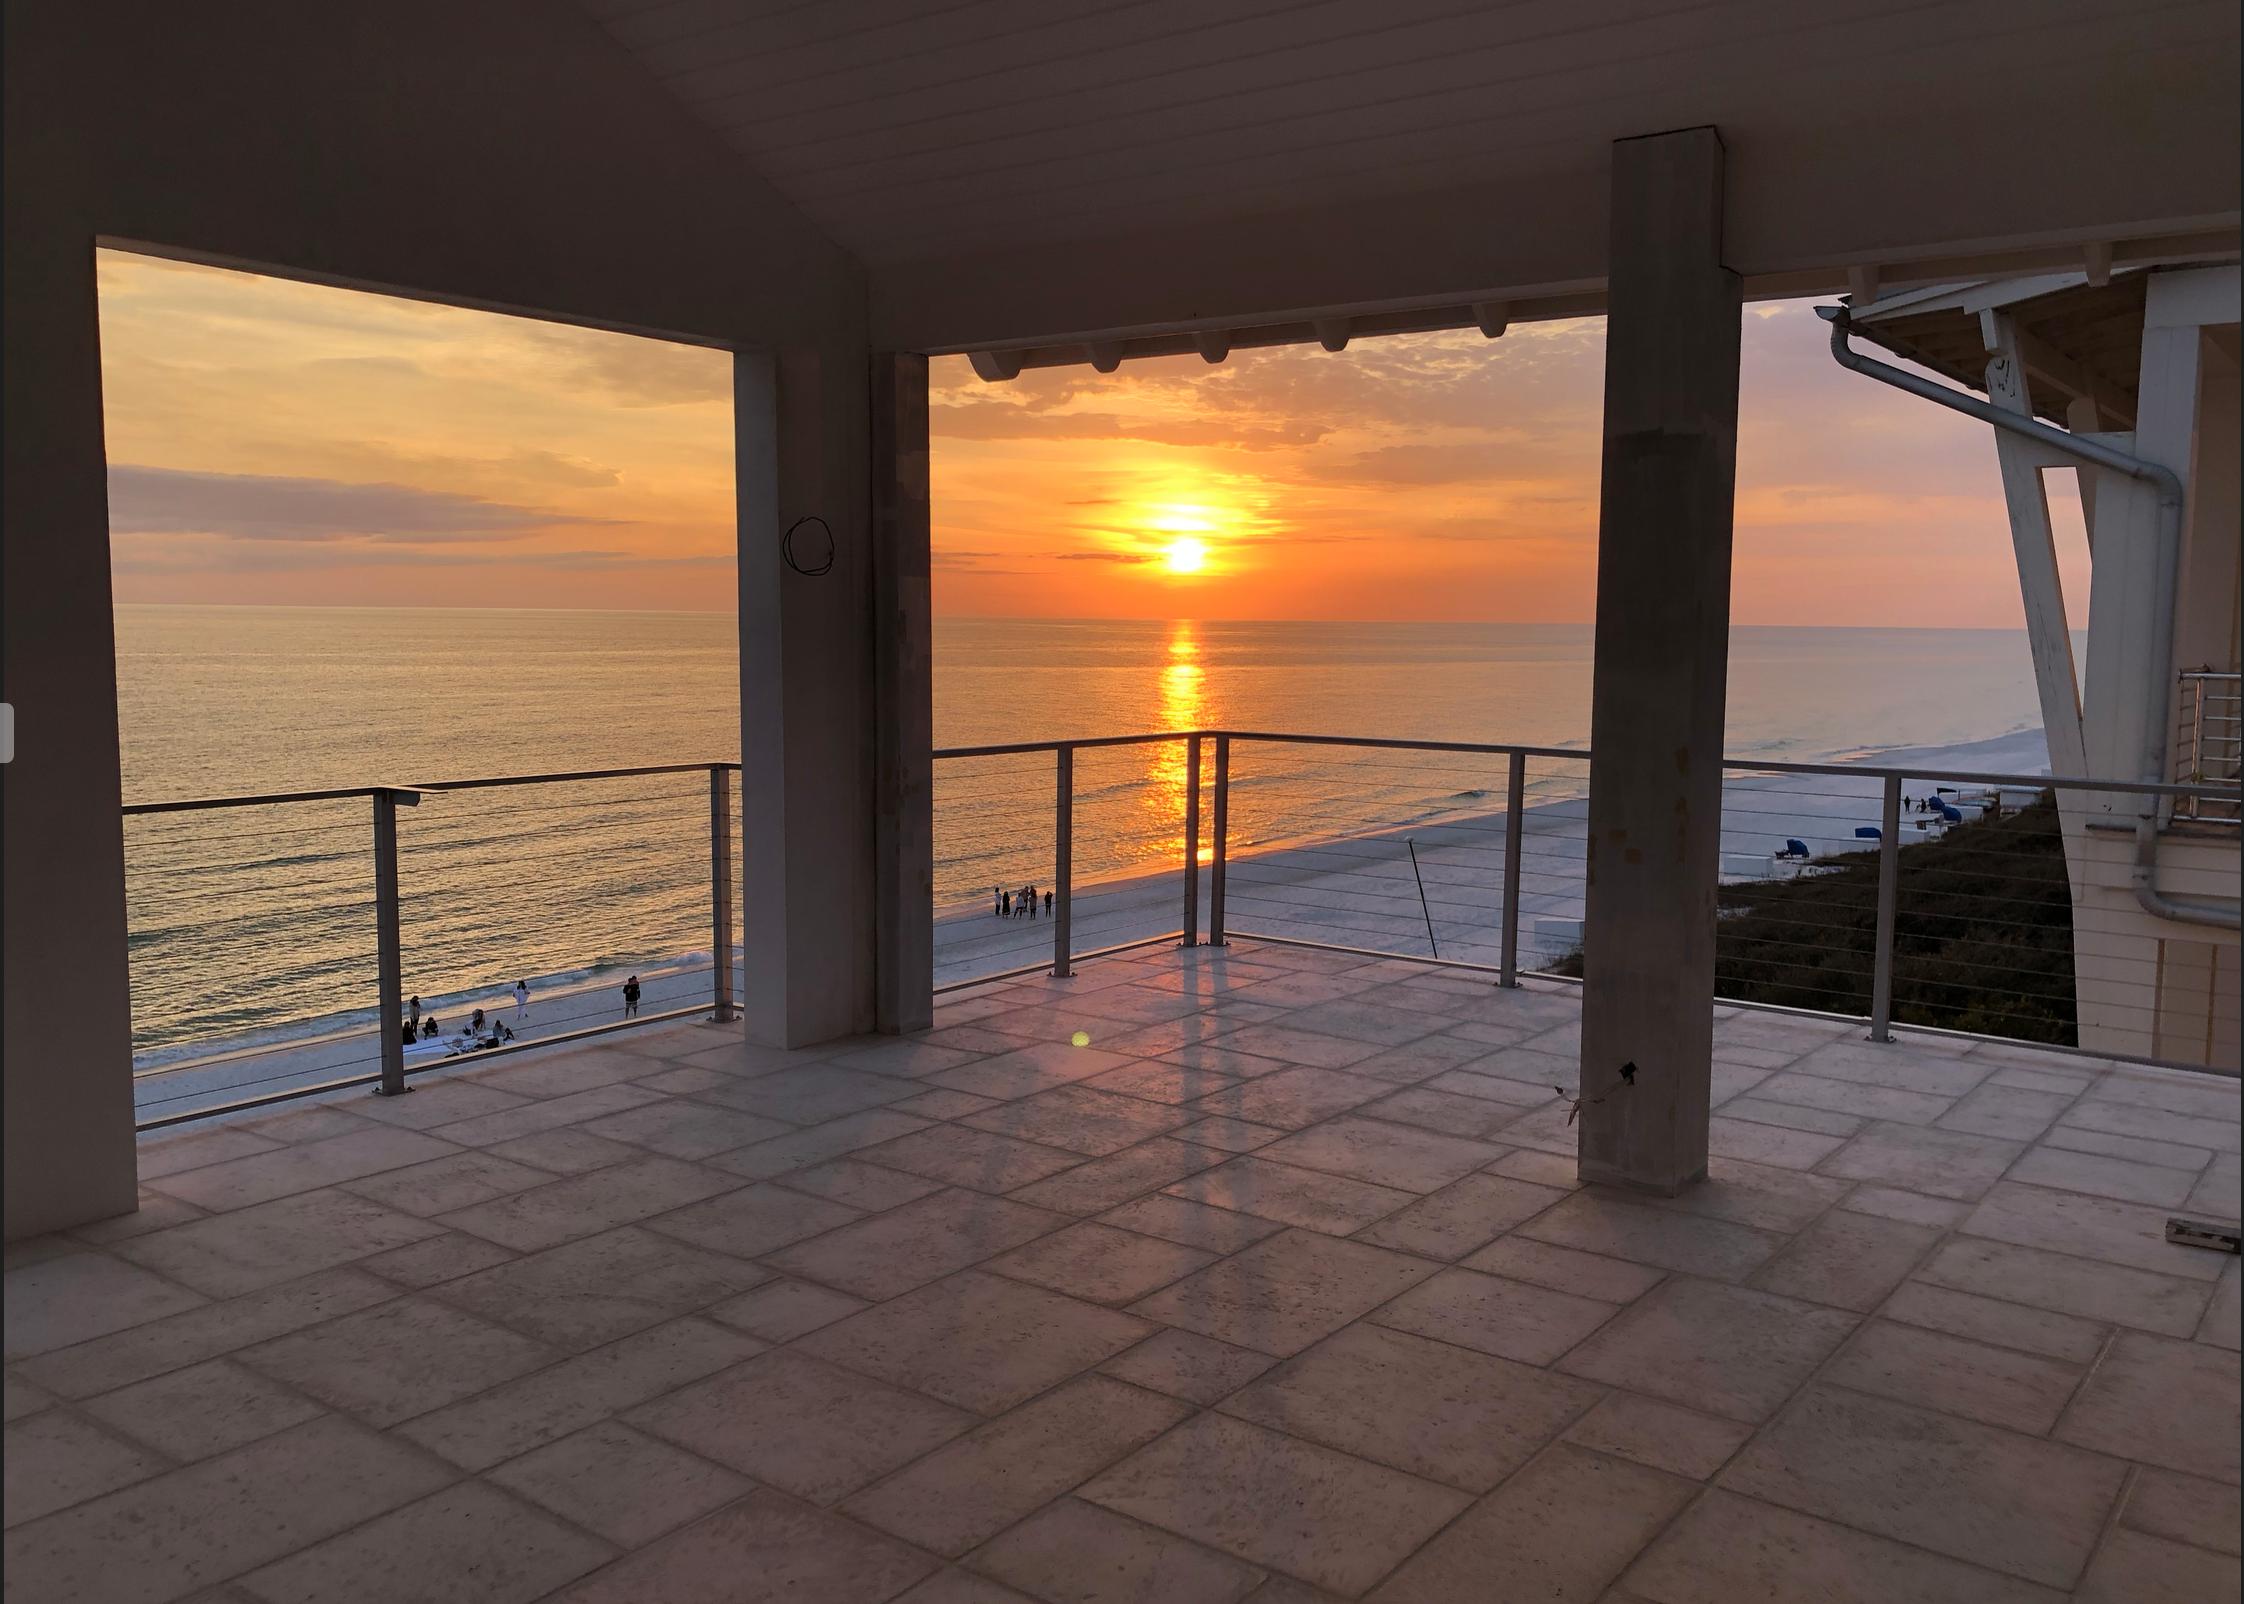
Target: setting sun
(1186, 556)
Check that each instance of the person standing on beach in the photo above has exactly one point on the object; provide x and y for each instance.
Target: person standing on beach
(1032, 900)
(415, 1013)
(521, 1002)
(1047, 904)
(631, 998)
(1005, 904)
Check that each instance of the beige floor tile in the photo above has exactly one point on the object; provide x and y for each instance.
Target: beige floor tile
(781, 1311)
(76, 1297)
(582, 1205)
(1758, 1143)
(180, 1340)
(2014, 1113)
(941, 1102)
(2198, 1096)
(683, 1082)
(420, 1265)
(1030, 1069)
(268, 1243)
(1104, 1183)
(1726, 1549)
(1944, 1163)
(1765, 1196)
(439, 1100)
(1997, 1386)
(566, 1073)
(163, 1538)
(202, 1410)
(904, 1056)
(853, 1133)
(2087, 1227)
(2223, 1325)
(1100, 1263)
(1078, 1553)
(1665, 1436)
(1281, 1295)
(1904, 1066)
(154, 1211)
(1275, 1500)
(2104, 1176)
(564, 1152)
(1562, 1170)
(1562, 1529)
(22, 1398)
(2219, 1192)
(1295, 1097)
(549, 1404)
(402, 1359)
(1383, 1154)
(974, 1487)
(1846, 1097)
(174, 1151)
(2006, 1325)
(2152, 1125)
(460, 1181)
(2187, 1509)
(679, 1128)
(794, 1422)
(304, 1168)
(2021, 1505)
(977, 1340)
(1852, 1261)
(55, 1459)
(1587, 1275)
(1187, 1365)
(1599, 1222)
(586, 1293)
(2163, 1402)
(1503, 1098)
(759, 1551)
(1447, 1113)
(1230, 1135)
(2132, 1568)
(1489, 1314)
(1194, 1224)
(953, 1586)
(1720, 1348)
(1366, 1392)
(469, 1544)
(1913, 1208)
(620, 1484)
(920, 1242)
(980, 1160)
(754, 1220)
(1421, 1060)
(1790, 1116)
(2069, 1285)
(548, 1114)
(812, 1094)
(1462, 1216)
(1159, 1082)
(1081, 1119)
(1252, 1184)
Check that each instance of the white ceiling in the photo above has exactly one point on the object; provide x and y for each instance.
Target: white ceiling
(1033, 138)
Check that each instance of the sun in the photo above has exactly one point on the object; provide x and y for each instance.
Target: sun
(1186, 556)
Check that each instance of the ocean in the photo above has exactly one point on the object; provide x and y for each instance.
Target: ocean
(255, 924)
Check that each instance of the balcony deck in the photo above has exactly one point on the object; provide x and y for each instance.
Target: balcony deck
(1281, 1289)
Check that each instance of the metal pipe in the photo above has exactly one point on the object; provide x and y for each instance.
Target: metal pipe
(1191, 842)
(388, 956)
(1515, 825)
(1063, 860)
(1889, 899)
(720, 889)
(1222, 846)
(2168, 486)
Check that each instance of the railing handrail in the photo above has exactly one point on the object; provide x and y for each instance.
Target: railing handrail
(345, 793)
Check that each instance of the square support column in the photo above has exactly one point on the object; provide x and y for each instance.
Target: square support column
(1663, 621)
(903, 692)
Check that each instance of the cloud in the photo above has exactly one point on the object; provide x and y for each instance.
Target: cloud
(1007, 421)
(170, 556)
(251, 506)
(1105, 556)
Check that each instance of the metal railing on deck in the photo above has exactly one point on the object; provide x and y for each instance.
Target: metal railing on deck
(1937, 900)
(2208, 741)
(304, 866)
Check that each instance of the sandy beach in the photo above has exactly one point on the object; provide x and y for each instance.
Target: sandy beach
(1356, 890)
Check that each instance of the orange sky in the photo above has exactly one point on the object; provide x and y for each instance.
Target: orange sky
(279, 442)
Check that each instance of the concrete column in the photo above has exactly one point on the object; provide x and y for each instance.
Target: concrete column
(903, 693)
(68, 1049)
(807, 739)
(1663, 619)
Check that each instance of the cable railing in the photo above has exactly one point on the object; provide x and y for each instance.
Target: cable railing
(1940, 901)
(2208, 741)
(285, 944)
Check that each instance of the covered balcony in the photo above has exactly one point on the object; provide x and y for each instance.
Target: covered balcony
(1214, 1273)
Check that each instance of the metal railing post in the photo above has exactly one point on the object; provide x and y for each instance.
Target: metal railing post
(389, 959)
(1515, 801)
(1889, 896)
(720, 889)
(1222, 844)
(1191, 842)
(1063, 862)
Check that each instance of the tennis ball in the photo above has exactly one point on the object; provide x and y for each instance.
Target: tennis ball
(1081, 1038)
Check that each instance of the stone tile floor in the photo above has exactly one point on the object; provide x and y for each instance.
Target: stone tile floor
(1282, 1289)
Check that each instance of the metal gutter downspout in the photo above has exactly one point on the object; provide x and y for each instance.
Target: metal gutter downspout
(2169, 488)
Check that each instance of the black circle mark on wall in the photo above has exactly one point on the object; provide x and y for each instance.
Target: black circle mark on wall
(808, 546)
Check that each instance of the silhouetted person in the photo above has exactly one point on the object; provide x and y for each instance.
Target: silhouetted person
(1005, 904)
(521, 1002)
(1047, 904)
(428, 1028)
(475, 1023)
(412, 1034)
(415, 1013)
(631, 998)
